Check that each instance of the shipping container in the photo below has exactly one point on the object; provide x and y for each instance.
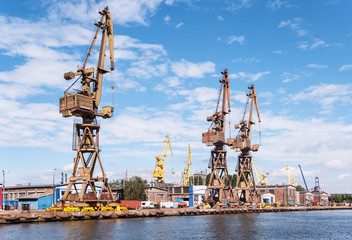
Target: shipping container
(168, 204)
(131, 204)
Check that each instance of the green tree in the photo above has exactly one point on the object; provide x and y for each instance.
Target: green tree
(191, 181)
(135, 189)
(200, 181)
(116, 183)
(196, 181)
(207, 179)
(234, 180)
(299, 188)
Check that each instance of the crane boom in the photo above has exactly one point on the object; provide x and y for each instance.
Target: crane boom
(187, 171)
(304, 180)
(261, 176)
(291, 180)
(160, 161)
(86, 102)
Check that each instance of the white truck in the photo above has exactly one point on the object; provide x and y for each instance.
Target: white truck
(147, 204)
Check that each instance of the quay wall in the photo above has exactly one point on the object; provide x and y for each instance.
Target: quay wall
(12, 217)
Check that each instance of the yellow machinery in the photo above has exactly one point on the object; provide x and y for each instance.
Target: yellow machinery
(187, 171)
(84, 103)
(261, 176)
(160, 161)
(291, 180)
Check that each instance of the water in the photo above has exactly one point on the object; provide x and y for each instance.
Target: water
(285, 225)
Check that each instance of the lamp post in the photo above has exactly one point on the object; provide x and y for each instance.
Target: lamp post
(3, 188)
(54, 186)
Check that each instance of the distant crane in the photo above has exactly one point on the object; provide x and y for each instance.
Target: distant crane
(187, 171)
(84, 104)
(245, 185)
(218, 190)
(291, 180)
(304, 180)
(160, 161)
(261, 176)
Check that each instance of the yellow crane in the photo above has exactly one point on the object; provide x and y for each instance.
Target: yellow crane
(187, 171)
(260, 176)
(160, 161)
(291, 180)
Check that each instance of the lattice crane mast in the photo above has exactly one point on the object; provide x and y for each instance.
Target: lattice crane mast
(261, 176)
(160, 161)
(291, 180)
(84, 104)
(187, 171)
(218, 190)
(245, 185)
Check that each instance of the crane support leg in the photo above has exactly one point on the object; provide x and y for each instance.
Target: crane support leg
(219, 188)
(245, 188)
(87, 148)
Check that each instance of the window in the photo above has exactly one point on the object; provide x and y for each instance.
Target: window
(6, 197)
(160, 195)
(31, 193)
(21, 194)
(272, 191)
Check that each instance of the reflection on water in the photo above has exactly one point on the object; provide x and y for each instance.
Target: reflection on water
(286, 225)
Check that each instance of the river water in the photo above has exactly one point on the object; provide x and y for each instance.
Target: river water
(281, 225)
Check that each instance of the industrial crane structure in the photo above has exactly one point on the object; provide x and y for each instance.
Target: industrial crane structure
(160, 161)
(260, 176)
(304, 179)
(218, 190)
(291, 180)
(245, 188)
(84, 104)
(186, 174)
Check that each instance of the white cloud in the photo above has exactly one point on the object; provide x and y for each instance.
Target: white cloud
(312, 65)
(185, 69)
(167, 19)
(249, 77)
(179, 25)
(235, 5)
(239, 39)
(345, 67)
(246, 60)
(277, 4)
(343, 176)
(295, 25)
(220, 18)
(327, 95)
(289, 77)
(336, 164)
(277, 51)
(123, 12)
(317, 43)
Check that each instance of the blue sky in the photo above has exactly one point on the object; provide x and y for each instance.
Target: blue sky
(168, 56)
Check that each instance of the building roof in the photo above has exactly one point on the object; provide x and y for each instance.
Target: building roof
(34, 196)
(273, 186)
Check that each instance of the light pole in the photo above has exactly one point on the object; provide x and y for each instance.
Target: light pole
(3, 188)
(54, 186)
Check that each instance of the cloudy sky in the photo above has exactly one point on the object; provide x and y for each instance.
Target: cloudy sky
(168, 58)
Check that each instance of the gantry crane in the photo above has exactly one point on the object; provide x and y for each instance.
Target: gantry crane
(291, 180)
(160, 161)
(218, 190)
(245, 185)
(85, 104)
(260, 176)
(186, 174)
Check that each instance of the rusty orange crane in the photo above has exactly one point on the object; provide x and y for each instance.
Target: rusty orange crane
(217, 189)
(85, 104)
(245, 185)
